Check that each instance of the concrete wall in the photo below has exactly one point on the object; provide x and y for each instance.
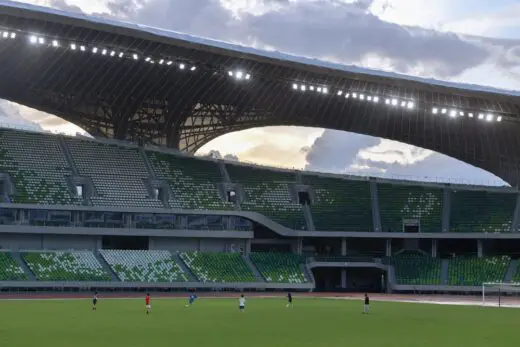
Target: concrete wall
(35, 241)
(192, 244)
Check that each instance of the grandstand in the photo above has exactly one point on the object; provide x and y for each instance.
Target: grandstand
(126, 210)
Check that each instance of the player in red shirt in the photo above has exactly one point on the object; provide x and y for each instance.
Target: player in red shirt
(147, 302)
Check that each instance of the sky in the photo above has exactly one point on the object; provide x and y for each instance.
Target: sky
(470, 41)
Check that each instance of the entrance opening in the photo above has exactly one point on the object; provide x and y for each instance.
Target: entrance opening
(411, 226)
(304, 198)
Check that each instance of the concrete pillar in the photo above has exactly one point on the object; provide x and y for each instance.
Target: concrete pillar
(343, 246)
(479, 248)
(434, 248)
(389, 247)
(248, 247)
(343, 278)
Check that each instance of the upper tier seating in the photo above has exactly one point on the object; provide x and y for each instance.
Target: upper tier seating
(398, 202)
(416, 269)
(218, 267)
(475, 271)
(193, 182)
(144, 266)
(118, 173)
(268, 192)
(9, 269)
(38, 168)
(340, 204)
(481, 211)
(66, 266)
(280, 267)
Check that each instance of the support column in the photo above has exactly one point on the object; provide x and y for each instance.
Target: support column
(248, 247)
(388, 247)
(343, 278)
(479, 248)
(343, 247)
(434, 248)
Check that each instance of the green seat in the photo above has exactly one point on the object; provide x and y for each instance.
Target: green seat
(399, 202)
(413, 268)
(144, 266)
(268, 192)
(9, 269)
(193, 182)
(482, 211)
(66, 266)
(280, 267)
(218, 267)
(340, 204)
(475, 271)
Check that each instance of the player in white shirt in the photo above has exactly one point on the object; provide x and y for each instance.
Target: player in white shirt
(242, 303)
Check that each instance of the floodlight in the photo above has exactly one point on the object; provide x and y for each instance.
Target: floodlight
(311, 88)
(354, 95)
(453, 113)
(461, 113)
(94, 50)
(470, 115)
(376, 99)
(340, 92)
(387, 101)
(480, 116)
(5, 34)
(161, 61)
(73, 46)
(489, 117)
(148, 59)
(33, 39)
(410, 105)
(121, 55)
(394, 102)
(403, 103)
(182, 66)
(248, 76)
(82, 48)
(239, 75)
(13, 35)
(294, 86)
(41, 40)
(443, 111)
(361, 97)
(302, 88)
(318, 89)
(325, 90)
(135, 56)
(499, 118)
(369, 98)
(169, 63)
(104, 52)
(112, 53)
(435, 110)
(347, 95)
(193, 68)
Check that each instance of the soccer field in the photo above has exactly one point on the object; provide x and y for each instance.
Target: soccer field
(267, 322)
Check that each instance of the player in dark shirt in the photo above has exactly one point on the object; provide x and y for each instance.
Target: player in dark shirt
(289, 300)
(367, 304)
(94, 301)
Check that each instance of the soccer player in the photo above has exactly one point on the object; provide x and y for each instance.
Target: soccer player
(147, 302)
(191, 299)
(367, 304)
(289, 300)
(242, 303)
(94, 301)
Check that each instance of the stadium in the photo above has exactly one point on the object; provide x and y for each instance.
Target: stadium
(132, 210)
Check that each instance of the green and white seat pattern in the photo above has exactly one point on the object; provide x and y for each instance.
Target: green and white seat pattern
(218, 267)
(279, 267)
(66, 266)
(38, 168)
(193, 182)
(475, 271)
(9, 269)
(416, 269)
(340, 204)
(267, 192)
(482, 211)
(118, 173)
(399, 202)
(144, 266)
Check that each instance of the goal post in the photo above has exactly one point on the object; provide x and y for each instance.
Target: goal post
(501, 294)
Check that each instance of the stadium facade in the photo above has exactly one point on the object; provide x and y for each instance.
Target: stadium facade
(129, 210)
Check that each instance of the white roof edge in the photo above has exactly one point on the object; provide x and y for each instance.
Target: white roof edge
(253, 51)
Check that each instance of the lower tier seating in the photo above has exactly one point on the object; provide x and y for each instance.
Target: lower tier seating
(279, 267)
(9, 269)
(416, 269)
(475, 271)
(66, 266)
(144, 266)
(218, 267)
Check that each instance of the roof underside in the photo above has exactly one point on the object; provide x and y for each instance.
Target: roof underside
(114, 95)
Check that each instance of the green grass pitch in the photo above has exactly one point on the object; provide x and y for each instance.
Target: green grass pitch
(266, 323)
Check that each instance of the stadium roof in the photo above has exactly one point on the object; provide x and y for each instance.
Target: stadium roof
(139, 83)
(206, 43)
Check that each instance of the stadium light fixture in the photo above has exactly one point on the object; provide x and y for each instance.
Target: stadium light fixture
(470, 115)
(489, 117)
(394, 102)
(443, 111)
(387, 101)
(239, 75)
(73, 46)
(161, 61)
(361, 97)
(135, 56)
(41, 40)
(435, 110)
(403, 103)
(294, 86)
(410, 105)
(318, 89)
(480, 116)
(499, 118)
(376, 99)
(104, 52)
(248, 76)
(311, 88)
(112, 53)
(182, 66)
(94, 50)
(169, 63)
(5, 34)
(121, 55)
(461, 114)
(302, 88)
(453, 113)
(13, 35)
(369, 98)
(354, 95)
(340, 92)
(148, 59)
(325, 90)
(193, 68)
(347, 95)
(55, 43)
(82, 48)
(33, 39)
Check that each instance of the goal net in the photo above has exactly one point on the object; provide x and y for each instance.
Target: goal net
(501, 294)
